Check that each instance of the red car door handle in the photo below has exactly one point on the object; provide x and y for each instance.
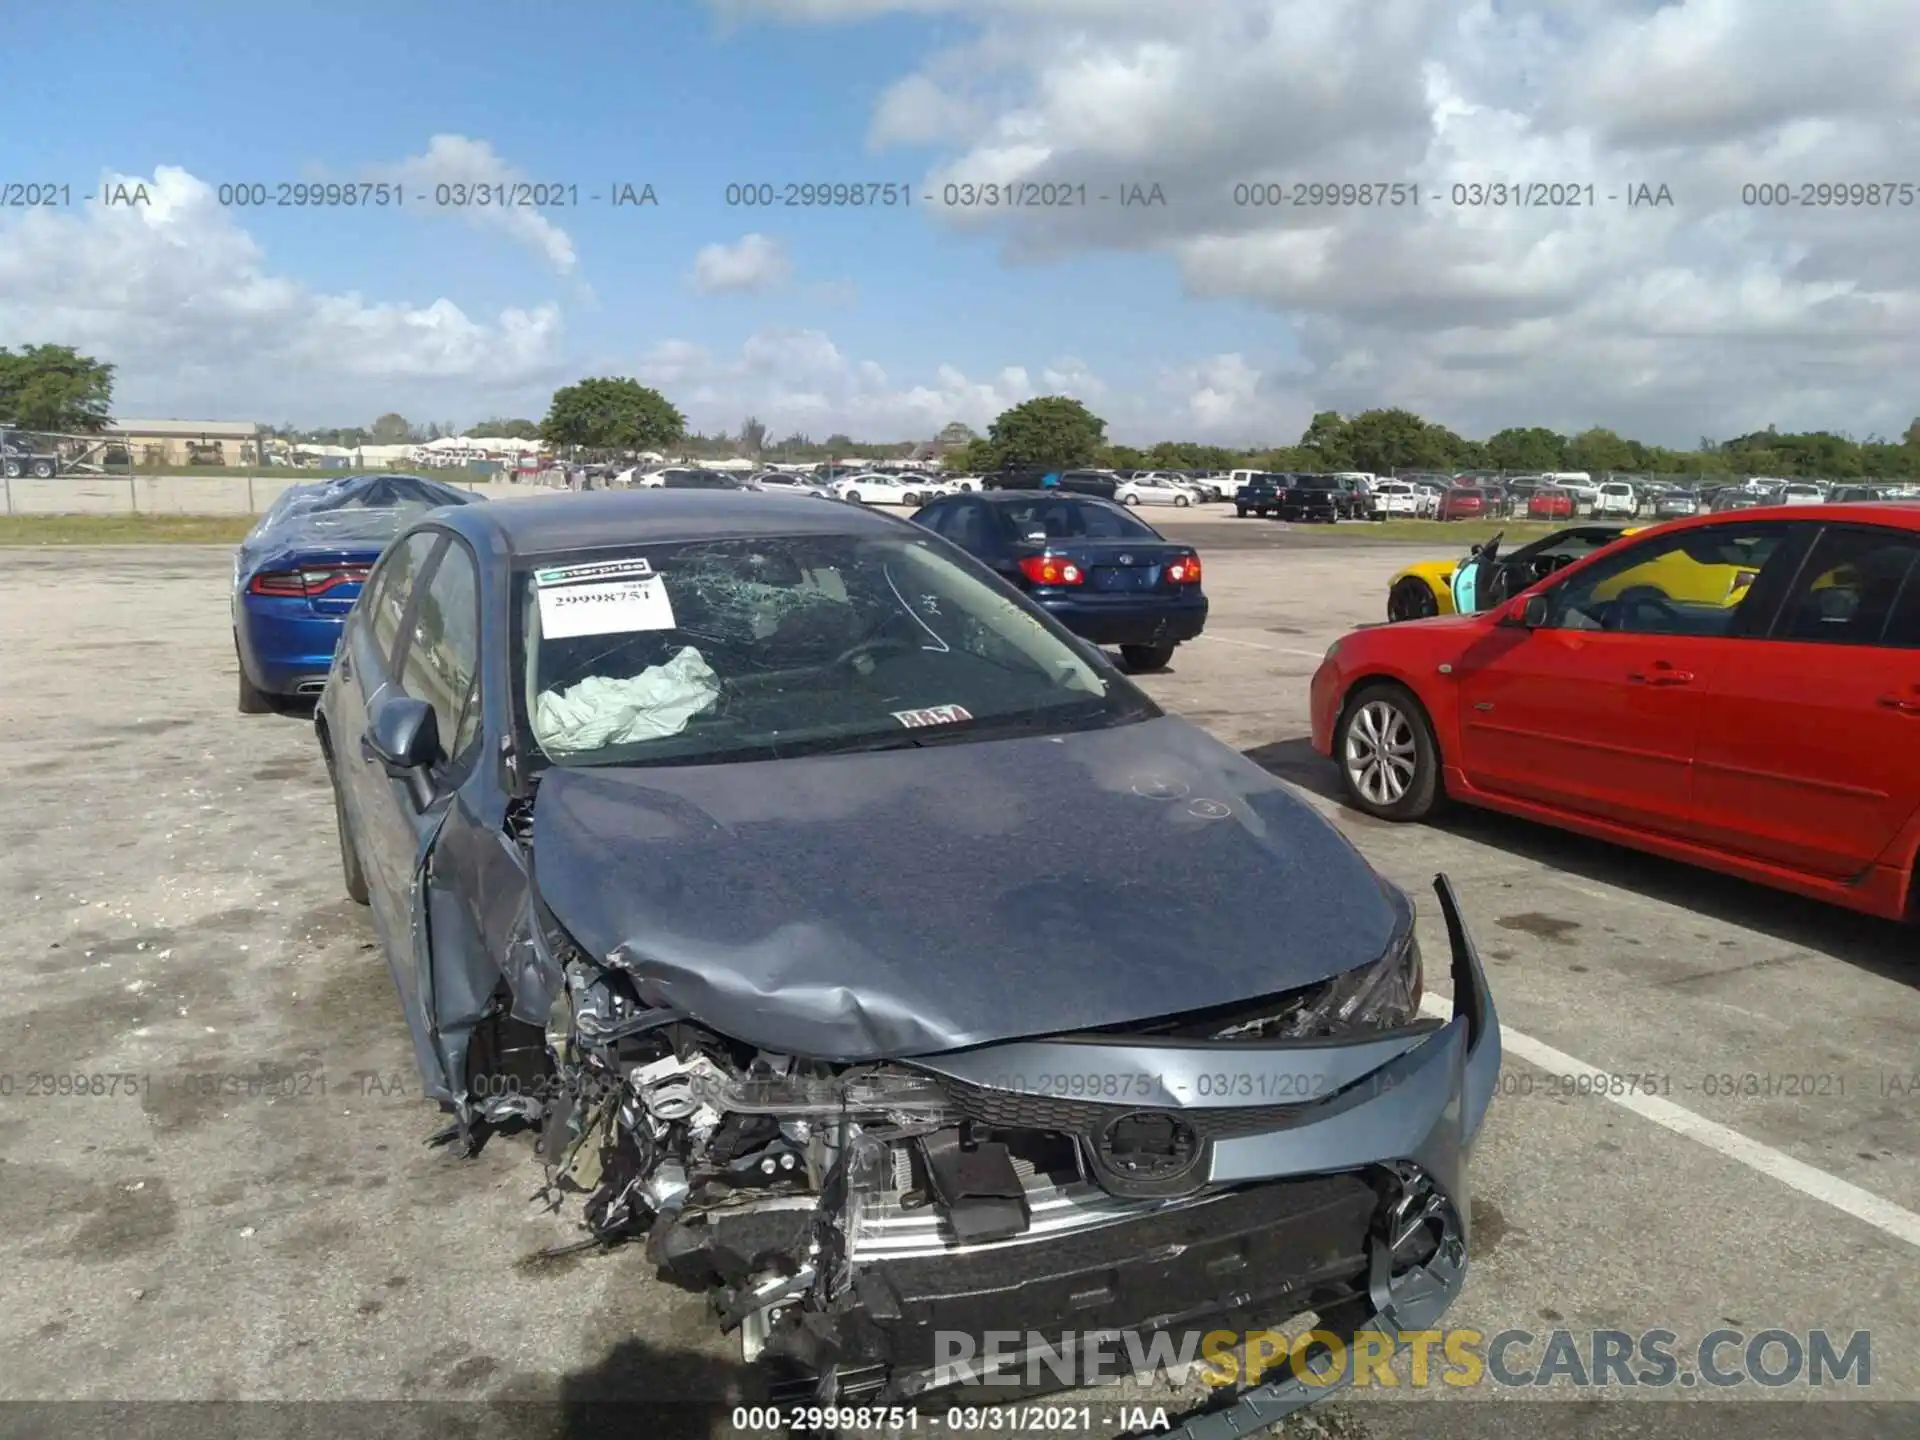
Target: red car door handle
(1901, 703)
(1662, 677)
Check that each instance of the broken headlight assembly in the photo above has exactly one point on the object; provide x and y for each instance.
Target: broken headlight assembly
(1379, 996)
(1382, 996)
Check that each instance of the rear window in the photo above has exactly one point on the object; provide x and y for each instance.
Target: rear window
(1467, 494)
(1062, 519)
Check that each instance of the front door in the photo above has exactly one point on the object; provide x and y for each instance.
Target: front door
(1809, 753)
(1598, 710)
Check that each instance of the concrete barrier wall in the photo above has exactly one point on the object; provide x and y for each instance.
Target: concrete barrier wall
(184, 494)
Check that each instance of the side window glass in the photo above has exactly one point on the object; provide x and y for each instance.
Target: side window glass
(387, 602)
(966, 527)
(443, 653)
(1849, 587)
(1692, 583)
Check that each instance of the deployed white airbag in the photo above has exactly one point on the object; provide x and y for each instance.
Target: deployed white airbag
(602, 710)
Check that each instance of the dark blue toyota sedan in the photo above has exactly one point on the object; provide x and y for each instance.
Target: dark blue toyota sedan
(1104, 573)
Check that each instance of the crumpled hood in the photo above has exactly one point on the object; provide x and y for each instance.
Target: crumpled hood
(908, 902)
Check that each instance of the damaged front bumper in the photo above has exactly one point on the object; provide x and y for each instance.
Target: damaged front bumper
(850, 1221)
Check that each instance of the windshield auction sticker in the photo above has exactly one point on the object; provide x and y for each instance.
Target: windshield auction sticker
(604, 570)
(608, 607)
(935, 715)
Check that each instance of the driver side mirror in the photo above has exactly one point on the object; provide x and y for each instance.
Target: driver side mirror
(403, 734)
(1532, 612)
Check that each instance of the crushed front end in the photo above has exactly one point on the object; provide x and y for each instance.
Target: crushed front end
(1234, 1169)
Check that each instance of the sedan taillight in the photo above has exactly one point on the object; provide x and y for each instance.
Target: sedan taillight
(1052, 570)
(310, 583)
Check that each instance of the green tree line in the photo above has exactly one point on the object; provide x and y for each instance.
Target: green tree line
(55, 388)
(1056, 431)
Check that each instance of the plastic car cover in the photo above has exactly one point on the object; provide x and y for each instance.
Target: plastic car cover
(356, 511)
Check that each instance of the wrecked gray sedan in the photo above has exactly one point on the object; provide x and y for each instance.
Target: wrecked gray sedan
(879, 953)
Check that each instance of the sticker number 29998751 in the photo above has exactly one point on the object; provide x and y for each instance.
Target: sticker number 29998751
(613, 607)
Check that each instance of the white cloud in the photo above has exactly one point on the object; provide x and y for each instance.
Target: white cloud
(458, 161)
(1705, 316)
(183, 302)
(801, 380)
(752, 264)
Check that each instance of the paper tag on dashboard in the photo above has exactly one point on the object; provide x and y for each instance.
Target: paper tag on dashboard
(614, 607)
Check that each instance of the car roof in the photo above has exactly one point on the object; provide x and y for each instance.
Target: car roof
(1889, 513)
(564, 521)
(1050, 492)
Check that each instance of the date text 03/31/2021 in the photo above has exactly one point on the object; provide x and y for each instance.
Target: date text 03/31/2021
(1037, 1419)
(1464, 194)
(954, 195)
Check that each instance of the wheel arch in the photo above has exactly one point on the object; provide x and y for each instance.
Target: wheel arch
(1442, 735)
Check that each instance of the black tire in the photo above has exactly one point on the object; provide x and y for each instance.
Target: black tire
(43, 469)
(352, 877)
(11, 469)
(1131, 500)
(1142, 659)
(853, 497)
(1241, 511)
(253, 700)
(1182, 499)
(1411, 599)
(1389, 762)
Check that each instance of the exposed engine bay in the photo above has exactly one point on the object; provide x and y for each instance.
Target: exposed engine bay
(839, 1216)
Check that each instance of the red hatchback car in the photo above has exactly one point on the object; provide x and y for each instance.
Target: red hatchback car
(1741, 691)
(1550, 503)
(1463, 502)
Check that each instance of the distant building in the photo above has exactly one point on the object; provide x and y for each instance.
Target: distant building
(189, 442)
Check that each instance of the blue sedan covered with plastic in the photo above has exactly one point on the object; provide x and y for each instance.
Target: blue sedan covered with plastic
(299, 570)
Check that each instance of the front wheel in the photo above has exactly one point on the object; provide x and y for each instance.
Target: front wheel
(1182, 500)
(1241, 511)
(1129, 499)
(854, 497)
(1389, 762)
(1139, 659)
(1411, 599)
(11, 468)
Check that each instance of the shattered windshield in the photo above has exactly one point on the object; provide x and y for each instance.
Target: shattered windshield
(762, 648)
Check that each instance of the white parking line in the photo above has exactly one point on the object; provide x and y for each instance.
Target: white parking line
(1849, 1199)
(1256, 645)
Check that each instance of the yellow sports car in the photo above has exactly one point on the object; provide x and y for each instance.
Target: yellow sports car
(1426, 588)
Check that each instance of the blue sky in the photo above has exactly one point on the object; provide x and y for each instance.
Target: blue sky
(663, 94)
(1200, 320)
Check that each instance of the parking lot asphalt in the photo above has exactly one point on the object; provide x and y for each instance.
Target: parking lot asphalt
(239, 1203)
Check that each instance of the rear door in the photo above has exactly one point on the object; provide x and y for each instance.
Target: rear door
(1598, 711)
(1809, 753)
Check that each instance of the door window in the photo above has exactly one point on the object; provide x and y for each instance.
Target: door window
(387, 600)
(1690, 583)
(443, 653)
(1853, 582)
